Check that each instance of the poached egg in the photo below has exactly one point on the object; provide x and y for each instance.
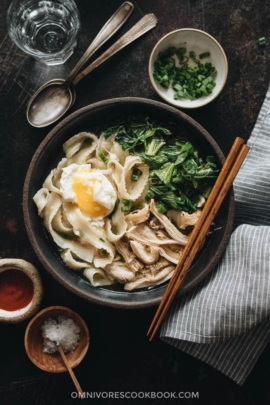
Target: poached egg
(89, 189)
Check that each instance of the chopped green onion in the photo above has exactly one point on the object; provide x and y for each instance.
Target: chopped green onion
(103, 157)
(102, 240)
(182, 50)
(262, 41)
(136, 174)
(160, 207)
(204, 55)
(125, 209)
(127, 202)
(187, 81)
(150, 195)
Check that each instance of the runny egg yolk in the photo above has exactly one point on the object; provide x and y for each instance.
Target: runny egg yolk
(85, 199)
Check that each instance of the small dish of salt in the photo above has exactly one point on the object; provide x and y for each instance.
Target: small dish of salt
(52, 328)
(61, 331)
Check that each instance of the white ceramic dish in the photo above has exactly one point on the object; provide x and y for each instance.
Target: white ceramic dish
(199, 42)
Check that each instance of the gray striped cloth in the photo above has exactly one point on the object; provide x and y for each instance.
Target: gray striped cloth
(224, 321)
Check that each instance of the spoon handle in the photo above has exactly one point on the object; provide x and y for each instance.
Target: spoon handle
(112, 25)
(148, 22)
(72, 375)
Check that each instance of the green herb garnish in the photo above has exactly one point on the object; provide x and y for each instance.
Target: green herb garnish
(103, 157)
(204, 55)
(127, 202)
(187, 82)
(136, 174)
(262, 41)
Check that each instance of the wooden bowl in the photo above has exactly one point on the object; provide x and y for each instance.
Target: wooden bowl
(33, 341)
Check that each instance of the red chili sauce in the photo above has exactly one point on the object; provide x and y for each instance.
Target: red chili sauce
(16, 290)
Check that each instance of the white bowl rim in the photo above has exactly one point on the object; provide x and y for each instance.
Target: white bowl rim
(178, 103)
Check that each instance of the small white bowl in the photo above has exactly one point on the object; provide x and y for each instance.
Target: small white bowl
(199, 42)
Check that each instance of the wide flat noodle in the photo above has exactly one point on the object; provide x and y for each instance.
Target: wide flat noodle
(71, 261)
(74, 144)
(128, 189)
(85, 252)
(117, 170)
(97, 277)
(117, 152)
(96, 163)
(41, 198)
(52, 181)
(60, 223)
(90, 232)
(104, 145)
(89, 244)
(115, 227)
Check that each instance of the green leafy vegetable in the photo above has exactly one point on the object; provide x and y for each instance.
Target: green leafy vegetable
(165, 173)
(187, 82)
(152, 147)
(178, 174)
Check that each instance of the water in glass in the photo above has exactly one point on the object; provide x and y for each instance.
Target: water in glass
(47, 30)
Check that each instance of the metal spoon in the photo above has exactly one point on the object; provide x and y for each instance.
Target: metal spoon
(46, 107)
(52, 99)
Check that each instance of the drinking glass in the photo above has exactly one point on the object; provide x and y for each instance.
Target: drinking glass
(44, 29)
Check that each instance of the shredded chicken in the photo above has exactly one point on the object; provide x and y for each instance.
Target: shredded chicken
(150, 280)
(155, 224)
(183, 219)
(138, 216)
(147, 254)
(123, 247)
(120, 272)
(151, 246)
(170, 228)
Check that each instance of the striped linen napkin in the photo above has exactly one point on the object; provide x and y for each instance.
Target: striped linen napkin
(224, 321)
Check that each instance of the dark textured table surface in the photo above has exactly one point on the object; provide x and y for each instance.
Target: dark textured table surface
(120, 357)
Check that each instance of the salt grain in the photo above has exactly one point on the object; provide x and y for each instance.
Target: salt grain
(61, 331)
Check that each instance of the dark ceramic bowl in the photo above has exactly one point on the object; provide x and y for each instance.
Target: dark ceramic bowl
(95, 118)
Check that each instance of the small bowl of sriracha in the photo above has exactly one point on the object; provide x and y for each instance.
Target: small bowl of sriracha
(188, 68)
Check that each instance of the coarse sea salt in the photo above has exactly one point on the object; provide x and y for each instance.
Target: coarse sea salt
(63, 331)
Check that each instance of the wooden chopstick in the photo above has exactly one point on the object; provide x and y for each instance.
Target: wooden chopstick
(209, 203)
(222, 185)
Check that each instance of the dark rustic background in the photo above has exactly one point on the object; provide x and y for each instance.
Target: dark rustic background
(120, 357)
